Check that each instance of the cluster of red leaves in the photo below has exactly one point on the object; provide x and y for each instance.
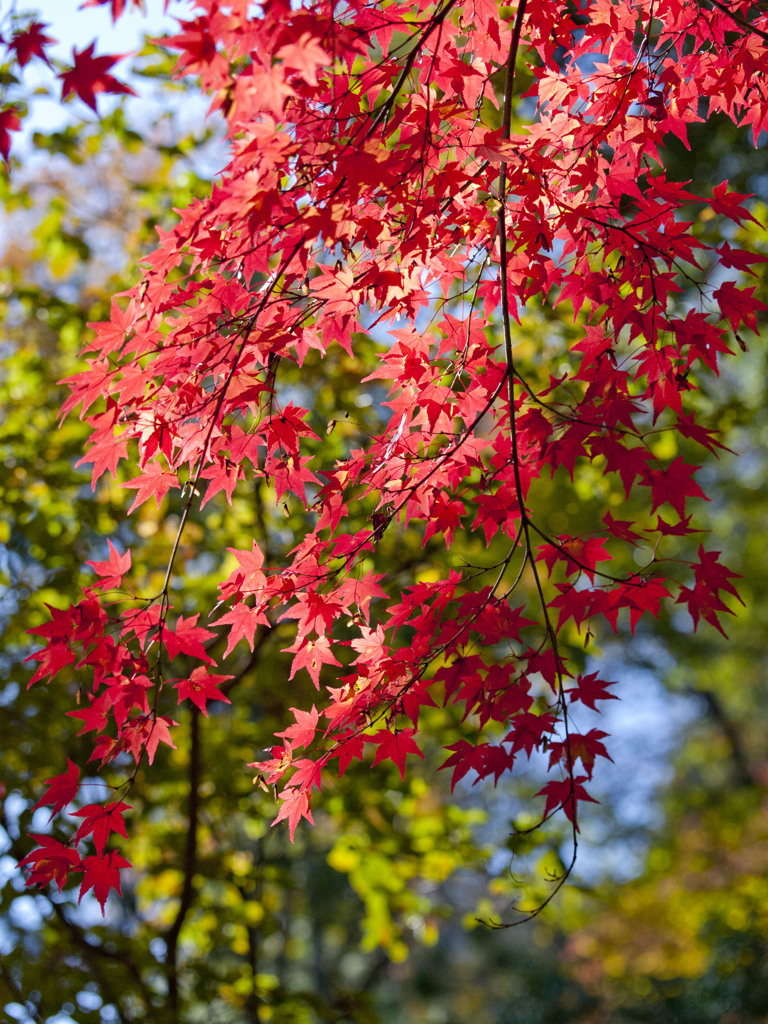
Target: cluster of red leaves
(370, 182)
(123, 680)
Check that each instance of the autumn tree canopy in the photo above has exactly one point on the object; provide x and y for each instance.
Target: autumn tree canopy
(465, 207)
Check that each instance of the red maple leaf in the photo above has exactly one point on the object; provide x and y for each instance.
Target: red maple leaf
(674, 485)
(584, 746)
(311, 655)
(52, 658)
(89, 76)
(52, 861)
(307, 774)
(147, 732)
(528, 730)
(674, 529)
(62, 789)
(102, 874)
(294, 807)
(349, 748)
(302, 733)
(729, 204)
(621, 528)
(710, 571)
(105, 453)
(563, 794)
(9, 122)
(466, 757)
(224, 475)
(306, 56)
(739, 258)
(187, 638)
(589, 689)
(152, 483)
(31, 42)
(100, 821)
(201, 687)
(739, 305)
(112, 570)
(394, 744)
(244, 621)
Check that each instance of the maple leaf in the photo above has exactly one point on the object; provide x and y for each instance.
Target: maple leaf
(583, 746)
(52, 861)
(303, 732)
(147, 732)
(311, 655)
(275, 767)
(306, 56)
(563, 794)
(100, 821)
(224, 475)
(9, 122)
(704, 600)
(112, 570)
(262, 90)
(152, 483)
(371, 645)
(621, 528)
(105, 453)
(710, 571)
(52, 658)
(201, 687)
(89, 76)
(680, 529)
(102, 874)
(251, 563)
(706, 438)
(528, 730)
(674, 485)
(394, 744)
(187, 638)
(349, 748)
(307, 774)
(739, 305)
(739, 258)
(294, 807)
(589, 689)
(729, 204)
(244, 621)
(466, 757)
(62, 789)
(594, 346)
(639, 596)
(361, 592)
(703, 603)
(580, 555)
(31, 42)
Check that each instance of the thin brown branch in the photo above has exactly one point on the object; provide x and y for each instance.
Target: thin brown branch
(525, 523)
